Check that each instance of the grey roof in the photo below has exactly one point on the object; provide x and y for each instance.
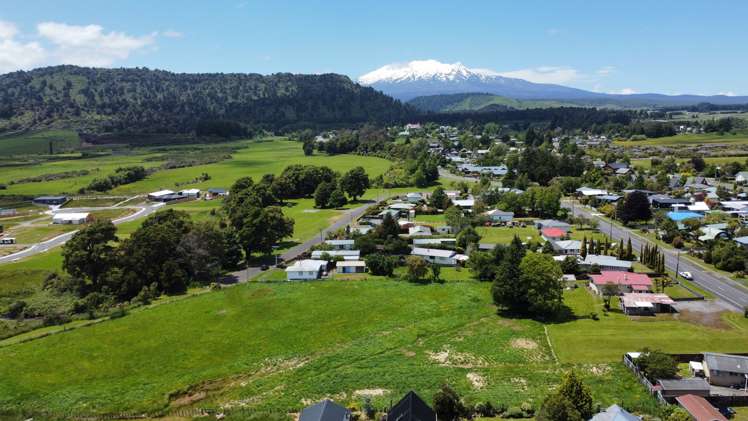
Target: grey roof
(602, 260)
(725, 362)
(694, 383)
(326, 410)
(411, 408)
(615, 413)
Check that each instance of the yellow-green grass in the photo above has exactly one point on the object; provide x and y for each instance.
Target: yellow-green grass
(688, 139)
(87, 202)
(38, 142)
(19, 279)
(273, 345)
(585, 340)
(434, 220)
(504, 235)
(646, 163)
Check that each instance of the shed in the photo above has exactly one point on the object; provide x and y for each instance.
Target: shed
(341, 244)
(670, 389)
(326, 410)
(76, 218)
(645, 304)
(699, 408)
(50, 200)
(351, 266)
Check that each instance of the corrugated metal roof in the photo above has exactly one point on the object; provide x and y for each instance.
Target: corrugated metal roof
(725, 362)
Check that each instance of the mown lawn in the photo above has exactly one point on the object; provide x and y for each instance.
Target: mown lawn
(504, 235)
(278, 345)
(585, 340)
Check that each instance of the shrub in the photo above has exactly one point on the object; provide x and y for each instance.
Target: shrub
(15, 310)
(513, 412)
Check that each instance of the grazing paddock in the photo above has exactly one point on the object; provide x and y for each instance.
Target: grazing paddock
(688, 140)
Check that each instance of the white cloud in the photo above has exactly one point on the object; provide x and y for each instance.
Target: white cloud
(728, 93)
(605, 70)
(172, 34)
(8, 30)
(16, 55)
(546, 74)
(89, 45)
(625, 91)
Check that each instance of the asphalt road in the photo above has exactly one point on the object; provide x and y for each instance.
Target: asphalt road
(37, 248)
(346, 219)
(721, 286)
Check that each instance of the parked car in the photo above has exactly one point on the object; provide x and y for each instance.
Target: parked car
(686, 275)
(264, 267)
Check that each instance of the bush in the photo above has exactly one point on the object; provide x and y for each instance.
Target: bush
(513, 412)
(380, 264)
(15, 310)
(118, 313)
(678, 242)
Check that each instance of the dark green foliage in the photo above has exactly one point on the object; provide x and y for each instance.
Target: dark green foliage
(557, 408)
(355, 182)
(380, 264)
(540, 285)
(121, 176)
(322, 194)
(467, 237)
(577, 393)
(151, 101)
(417, 268)
(90, 253)
(482, 266)
(302, 180)
(728, 255)
(447, 404)
(504, 288)
(634, 207)
(389, 228)
(655, 364)
(570, 265)
(438, 199)
(337, 199)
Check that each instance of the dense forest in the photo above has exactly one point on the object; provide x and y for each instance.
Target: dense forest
(154, 101)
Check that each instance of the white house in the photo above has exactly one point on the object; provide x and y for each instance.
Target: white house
(567, 247)
(741, 177)
(341, 244)
(431, 241)
(345, 254)
(464, 204)
(7, 240)
(438, 256)
(76, 218)
(608, 263)
(159, 194)
(414, 197)
(194, 193)
(497, 215)
(419, 230)
(307, 269)
(351, 266)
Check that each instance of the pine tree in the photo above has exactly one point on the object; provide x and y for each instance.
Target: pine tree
(583, 251)
(629, 250)
(620, 249)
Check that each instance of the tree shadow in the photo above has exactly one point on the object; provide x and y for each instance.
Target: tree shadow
(564, 315)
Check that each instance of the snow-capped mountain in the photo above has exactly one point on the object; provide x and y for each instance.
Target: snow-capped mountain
(430, 77)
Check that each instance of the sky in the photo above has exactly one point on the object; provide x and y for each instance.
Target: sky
(665, 46)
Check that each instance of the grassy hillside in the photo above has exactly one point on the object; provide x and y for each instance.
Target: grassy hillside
(479, 102)
(39, 143)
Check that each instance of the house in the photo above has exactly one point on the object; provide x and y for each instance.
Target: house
(445, 229)
(191, 193)
(614, 413)
(497, 215)
(671, 389)
(341, 244)
(699, 207)
(326, 410)
(351, 266)
(391, 212)
(663, 201)
(608, 198)
(713, 232)
(552, 223)
(7, 241)
(569, 279)
(438, 256)
(419, 230)
(635, 304)
(159, 195)
(590, 192)
(552, 234)
(605, 263)
(216, 192)
(402, 207)
(50, 200)
(411, 408)
(362, 229)
(8, 212)
(741, 177)
(725, 370)
(680, 216)
(432, 241)
(616, 166)
(304, 270)
(699, 408)
(76, 218)
(333, 254)
(414, 197)
(464, 204)
(567, 247)
(626, 281)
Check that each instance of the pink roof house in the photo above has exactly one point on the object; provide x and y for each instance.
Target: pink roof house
(626, 281)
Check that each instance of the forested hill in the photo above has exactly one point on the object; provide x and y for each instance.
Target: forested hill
(153, 101)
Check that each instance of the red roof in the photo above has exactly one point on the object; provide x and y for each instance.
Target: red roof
(699, 408)
(553, 232)
(635, 280)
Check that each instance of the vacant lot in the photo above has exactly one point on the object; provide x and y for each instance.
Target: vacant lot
(279, 345)
(689, 139)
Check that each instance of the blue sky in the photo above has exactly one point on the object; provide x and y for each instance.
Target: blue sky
(612, 46)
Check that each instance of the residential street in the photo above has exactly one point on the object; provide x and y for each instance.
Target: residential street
(347, 218)
(726, 289)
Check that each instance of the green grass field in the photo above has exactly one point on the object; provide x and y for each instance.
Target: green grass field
(646, 163)
(688, 139)
(278, 345)
(38, 143)
(504, 235)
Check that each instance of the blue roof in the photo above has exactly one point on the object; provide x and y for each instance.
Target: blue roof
(683, 215)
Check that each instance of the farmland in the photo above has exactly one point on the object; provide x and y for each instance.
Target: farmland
(689, 140)
(39, 143)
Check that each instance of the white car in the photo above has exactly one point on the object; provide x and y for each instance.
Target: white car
(686, 275)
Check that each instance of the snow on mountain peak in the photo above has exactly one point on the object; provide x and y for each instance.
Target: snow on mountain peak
(423, 70)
